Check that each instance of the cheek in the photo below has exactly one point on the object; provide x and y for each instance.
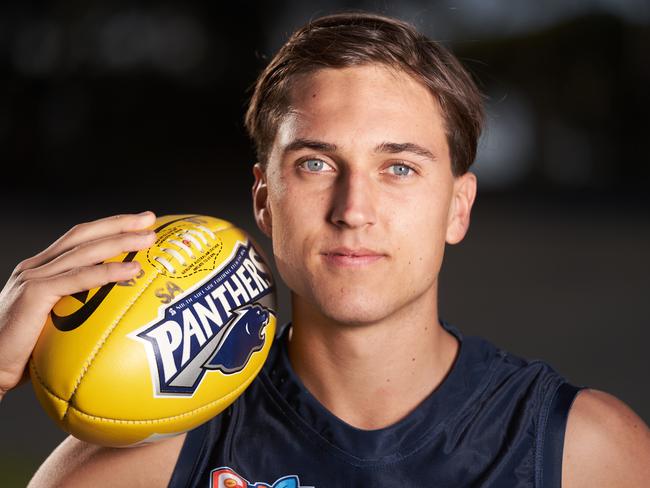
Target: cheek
(420, 211)
(292, 222)
(296, 208)
(420, 226)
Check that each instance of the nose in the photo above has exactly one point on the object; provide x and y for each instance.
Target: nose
(353, 205)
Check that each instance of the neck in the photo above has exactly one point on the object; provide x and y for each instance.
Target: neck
(373, 375)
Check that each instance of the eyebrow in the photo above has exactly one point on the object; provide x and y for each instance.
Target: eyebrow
(394, 147)
(298, 144)
(384, 147)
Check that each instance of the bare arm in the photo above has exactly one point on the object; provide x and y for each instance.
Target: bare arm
(606, 444)
(78, 464)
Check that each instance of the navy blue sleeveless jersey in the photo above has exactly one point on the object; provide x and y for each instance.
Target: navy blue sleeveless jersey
(495, 421)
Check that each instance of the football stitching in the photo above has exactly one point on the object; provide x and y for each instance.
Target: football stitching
(32, 367)
(203, 254)
(235, 392)
(103, 340)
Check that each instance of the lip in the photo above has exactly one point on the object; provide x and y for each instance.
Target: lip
(345, 256)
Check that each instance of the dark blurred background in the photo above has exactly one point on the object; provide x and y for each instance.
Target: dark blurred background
(110, 107)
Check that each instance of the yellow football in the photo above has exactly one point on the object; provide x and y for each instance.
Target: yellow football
(157, 355)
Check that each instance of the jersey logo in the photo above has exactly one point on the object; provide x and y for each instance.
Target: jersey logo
(215, 326)
(227, 478)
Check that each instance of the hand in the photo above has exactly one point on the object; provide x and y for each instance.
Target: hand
(68, 266)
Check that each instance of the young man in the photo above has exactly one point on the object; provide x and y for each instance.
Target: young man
(365, 131)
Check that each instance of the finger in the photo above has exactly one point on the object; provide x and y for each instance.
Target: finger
(93, 252)
(81, 278)
(87, 231)
(32, 305)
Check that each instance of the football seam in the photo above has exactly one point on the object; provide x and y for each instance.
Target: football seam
(47, 390)
(235, 393)
(99, 346)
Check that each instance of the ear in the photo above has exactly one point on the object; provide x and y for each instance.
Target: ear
(260, 194)
(464, 193)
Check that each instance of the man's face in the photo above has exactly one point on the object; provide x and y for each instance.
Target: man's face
(358, 195)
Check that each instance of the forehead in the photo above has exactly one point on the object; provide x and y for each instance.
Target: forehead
(361, 105)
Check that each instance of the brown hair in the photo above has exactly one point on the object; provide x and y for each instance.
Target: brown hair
(353, 39)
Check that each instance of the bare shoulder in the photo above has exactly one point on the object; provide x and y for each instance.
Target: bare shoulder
(606, 444)
(75, 463)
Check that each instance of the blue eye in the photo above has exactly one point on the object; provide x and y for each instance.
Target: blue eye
(401, 169)
(314, 165)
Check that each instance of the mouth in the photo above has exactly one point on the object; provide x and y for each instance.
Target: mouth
(343, 256)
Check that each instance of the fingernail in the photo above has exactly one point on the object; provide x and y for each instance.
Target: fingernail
(146, 212)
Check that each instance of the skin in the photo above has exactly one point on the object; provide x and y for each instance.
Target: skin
(347, 315)
(351, 316)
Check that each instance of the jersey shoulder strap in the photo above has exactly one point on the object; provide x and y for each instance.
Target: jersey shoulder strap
(550, 442)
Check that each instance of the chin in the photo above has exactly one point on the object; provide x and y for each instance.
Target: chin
(349, 310)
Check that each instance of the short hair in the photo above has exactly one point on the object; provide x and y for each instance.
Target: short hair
(354, 39)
